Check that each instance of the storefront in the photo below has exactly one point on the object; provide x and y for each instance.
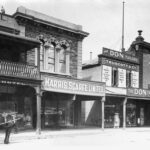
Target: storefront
(114, 107)
(62, 100)
(19, 96)
(138, 107)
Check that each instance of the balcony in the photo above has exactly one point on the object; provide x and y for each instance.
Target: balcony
(18, 70)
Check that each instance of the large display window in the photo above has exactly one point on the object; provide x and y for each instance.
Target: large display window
(113, 109)
(57, 113)
(21, 106)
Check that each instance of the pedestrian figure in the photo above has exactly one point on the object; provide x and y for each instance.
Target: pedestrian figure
(9, 124)
(2, 12)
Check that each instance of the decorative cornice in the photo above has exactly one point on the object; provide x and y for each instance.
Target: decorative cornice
(55, 42)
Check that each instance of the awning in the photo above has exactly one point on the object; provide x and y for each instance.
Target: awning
(11, 41)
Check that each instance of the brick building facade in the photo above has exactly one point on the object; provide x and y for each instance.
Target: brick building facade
(126, 75)
(54, 47)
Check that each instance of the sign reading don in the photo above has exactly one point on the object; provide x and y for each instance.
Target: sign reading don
(73, 86)
(138, 92)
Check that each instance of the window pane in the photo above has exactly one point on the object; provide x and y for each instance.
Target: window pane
(114, 77)
(62, 67)
(62, 63)
(128, 82)
(51, 67)
(49, 59)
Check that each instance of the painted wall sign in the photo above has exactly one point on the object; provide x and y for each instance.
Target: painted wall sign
(72, 86)
(119, 55)
(134, 79)
(121, 77)
(118, 64)
(138, 92)
(107, 75)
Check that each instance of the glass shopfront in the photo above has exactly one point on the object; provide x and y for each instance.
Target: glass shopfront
(113, 112)
(131, 114)
(57, 110)
(137, 113)
(18, 100)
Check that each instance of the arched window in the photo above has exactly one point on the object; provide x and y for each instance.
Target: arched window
(49, 58)
(62, 60)
(55, 58)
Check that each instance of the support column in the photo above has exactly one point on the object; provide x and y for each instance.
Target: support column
(68, 61)
(79, 60)
(38, 100)
(124, 112)
(103, 111)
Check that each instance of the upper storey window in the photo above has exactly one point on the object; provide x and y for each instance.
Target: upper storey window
(62, 60)
(55, 58)
(49, 58)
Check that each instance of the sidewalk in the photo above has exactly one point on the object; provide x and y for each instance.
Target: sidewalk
(30, 135)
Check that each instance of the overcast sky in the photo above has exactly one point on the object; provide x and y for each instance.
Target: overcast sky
(102, 19)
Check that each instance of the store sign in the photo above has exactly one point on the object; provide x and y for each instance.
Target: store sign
(107, 75)
(119, 55)
(134, 79)
(121, 77)
(118, 64)
(138, 92)
(72, 86)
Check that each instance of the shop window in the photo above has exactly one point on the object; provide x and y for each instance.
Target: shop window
(114, 77)
(128, 78)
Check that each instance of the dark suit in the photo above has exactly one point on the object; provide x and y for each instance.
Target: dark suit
(8, 127)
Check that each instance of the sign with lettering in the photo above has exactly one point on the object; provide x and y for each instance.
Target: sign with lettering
(134, 79)
(119, 55)
(138, 92)
(107, 75)
(72, 86)
(119, 64)
(121, 77)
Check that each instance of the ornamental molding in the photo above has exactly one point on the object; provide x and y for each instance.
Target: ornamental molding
(47, 42)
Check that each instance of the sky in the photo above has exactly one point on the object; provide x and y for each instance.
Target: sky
(102, 19)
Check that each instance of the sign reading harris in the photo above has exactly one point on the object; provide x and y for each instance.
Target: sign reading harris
(119, 55)
(138, 92)
(73, 86)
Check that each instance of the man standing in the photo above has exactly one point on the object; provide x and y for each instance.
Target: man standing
(9, 124)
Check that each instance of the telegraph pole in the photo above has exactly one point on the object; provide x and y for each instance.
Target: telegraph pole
(123, 49)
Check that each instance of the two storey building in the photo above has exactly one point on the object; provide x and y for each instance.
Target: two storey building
(41, 57)
(126, 75)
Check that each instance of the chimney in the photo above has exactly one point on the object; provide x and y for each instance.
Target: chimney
(90, 55)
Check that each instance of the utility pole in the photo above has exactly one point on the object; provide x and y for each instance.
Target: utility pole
(123, 49)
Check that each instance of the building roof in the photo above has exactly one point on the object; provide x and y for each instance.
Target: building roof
(49, 20)
(90, 63)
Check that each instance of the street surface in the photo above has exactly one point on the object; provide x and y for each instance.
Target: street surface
(117, 139)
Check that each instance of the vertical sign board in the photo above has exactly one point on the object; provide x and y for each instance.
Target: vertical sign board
(134, 79)
(121, 77)
(107, 75)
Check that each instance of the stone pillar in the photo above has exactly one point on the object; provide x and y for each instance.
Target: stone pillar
(67, 119)
(103, 111)
(68, 61)
(124, 112)
(38, 100)
(79, 60)
(57, 51)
